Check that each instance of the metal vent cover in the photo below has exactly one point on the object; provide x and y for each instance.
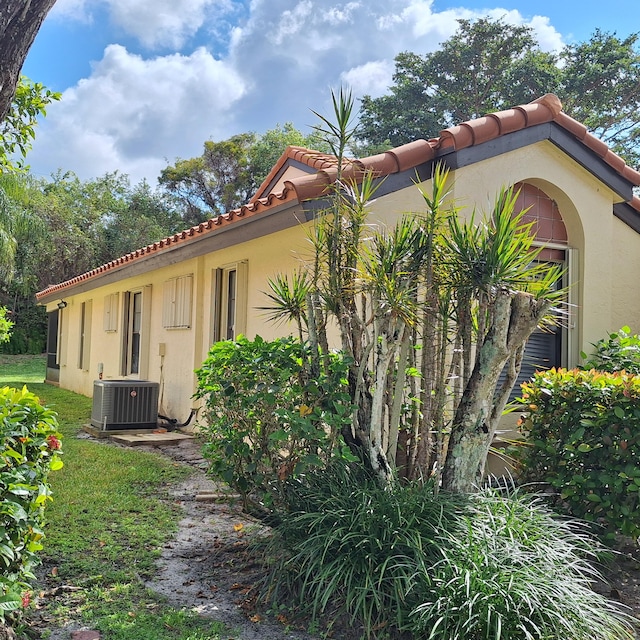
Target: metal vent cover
(124, 404)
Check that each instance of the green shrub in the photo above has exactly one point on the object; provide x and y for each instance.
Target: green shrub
(619, 352)
(266, 418)
(407, 562)
(5, 326)
(583, 440)
(29, 450)
(512, 570)
(355, 548)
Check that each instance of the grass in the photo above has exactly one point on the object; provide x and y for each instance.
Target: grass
(20, 370)
(106, 526)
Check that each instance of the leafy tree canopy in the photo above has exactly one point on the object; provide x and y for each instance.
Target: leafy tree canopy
(488, 65)
(19, 24)
(54, 229)
(228, 173)
(17, 130)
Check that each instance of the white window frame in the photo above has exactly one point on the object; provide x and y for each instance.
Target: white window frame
(141, 328)
(229, 306)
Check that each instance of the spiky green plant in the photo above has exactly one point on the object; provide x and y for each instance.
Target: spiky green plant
(511, 570)
(402, 561)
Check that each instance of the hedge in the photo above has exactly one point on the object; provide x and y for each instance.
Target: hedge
(29, 450)
(583, 442)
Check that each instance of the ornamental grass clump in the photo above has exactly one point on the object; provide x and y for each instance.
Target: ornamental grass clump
(407, 562)
(511, 570)
(355, 549)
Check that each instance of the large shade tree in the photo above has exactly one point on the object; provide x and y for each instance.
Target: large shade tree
(228, 172)
(19, 24)
(488, 65)
(54, 229)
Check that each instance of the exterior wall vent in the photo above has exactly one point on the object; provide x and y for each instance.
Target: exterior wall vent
(124, 404)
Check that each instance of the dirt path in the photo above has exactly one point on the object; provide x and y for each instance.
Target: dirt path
(207, 567)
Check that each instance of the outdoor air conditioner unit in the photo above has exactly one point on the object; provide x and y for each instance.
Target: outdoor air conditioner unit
(124, 404)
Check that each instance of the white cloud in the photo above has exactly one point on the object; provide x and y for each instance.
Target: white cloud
(132, 114)
(292, 22)
(276, 60)
(548, 37)
(71, 10)
(341, 14)
(154, 23)
(372, 78)
(164, 23)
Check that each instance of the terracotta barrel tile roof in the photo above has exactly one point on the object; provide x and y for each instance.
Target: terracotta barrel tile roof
(299, 189)
(412, 154)
(193, 233)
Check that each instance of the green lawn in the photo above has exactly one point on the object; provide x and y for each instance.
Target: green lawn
(106, 526)
(19, 370)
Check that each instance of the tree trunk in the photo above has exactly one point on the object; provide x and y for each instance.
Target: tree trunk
(20, 21)
(515, 315)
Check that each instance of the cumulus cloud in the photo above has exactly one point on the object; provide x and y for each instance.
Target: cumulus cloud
(71, 10)
(132, 113)
(371, 78)
(257, 64)
(165, 23)
(153, 23)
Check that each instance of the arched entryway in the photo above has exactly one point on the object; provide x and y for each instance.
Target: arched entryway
(544, 349)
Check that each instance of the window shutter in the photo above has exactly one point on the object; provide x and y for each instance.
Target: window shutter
(110, 322)
(177, 300)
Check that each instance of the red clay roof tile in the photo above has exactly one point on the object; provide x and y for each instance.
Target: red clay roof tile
(547, 108)
(574, 127)
(408, 155)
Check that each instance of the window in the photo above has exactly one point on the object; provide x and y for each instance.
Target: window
(229, 302)
(176, 313)
(110, 321)
(85, 336)
(135, 325)
(557, 346)
(136, 330)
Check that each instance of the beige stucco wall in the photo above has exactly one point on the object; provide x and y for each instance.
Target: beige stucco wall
(603, 288)
(184, 349)
(625, 278)
(607, 250)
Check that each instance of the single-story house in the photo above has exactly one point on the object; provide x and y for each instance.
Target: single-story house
(152, 314)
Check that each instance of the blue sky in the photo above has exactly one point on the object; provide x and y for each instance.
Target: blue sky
(145, 82)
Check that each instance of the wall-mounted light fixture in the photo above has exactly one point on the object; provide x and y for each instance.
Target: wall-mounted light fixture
(62, 304)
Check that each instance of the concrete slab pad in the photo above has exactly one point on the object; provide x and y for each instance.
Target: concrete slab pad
(85, 635)
(154, 439)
